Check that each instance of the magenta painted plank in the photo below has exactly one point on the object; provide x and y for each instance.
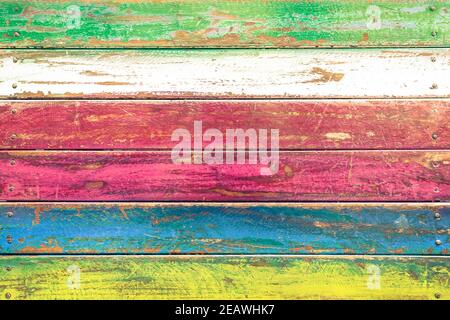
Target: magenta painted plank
(309, 176)
(302, 124)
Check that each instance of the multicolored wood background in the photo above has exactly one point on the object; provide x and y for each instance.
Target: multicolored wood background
(93, 207)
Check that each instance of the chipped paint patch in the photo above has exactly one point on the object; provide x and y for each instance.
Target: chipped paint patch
(325, 76)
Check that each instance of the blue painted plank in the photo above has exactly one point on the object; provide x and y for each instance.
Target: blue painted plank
(225, 228)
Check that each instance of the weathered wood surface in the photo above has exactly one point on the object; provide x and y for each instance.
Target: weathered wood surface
(303, 124)
(230, 277)
(139, 175)
(219, 228)
(224, 23)
(203, 74)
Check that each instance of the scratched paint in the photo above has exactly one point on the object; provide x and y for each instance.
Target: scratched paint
(303, 124)
(194, 277)
(225, 23)
(200, 74)
(225, 228)
(309, 175)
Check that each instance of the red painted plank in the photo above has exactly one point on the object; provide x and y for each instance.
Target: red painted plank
(326, 175)
(320, 124)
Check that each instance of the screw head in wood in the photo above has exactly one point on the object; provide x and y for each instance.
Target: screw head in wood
(11, 188)
(10, 214)
(9, 239)
(433, 59)
(15, 60)
(434, 86)
(16, 34)
(8, 295)
(433, 33)
(437, 215)
(434, 136)
(437, 295)
(438, 242)
(13, 136)
(13, 111)
(12, 162)
(14, 85)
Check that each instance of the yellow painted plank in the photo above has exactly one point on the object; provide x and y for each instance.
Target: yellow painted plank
(224, 277)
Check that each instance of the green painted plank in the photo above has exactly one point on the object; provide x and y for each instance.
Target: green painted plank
(224, 23)
(224, 277)
(224, 228)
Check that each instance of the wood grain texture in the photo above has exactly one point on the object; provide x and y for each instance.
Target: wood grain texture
(224, 23)
(224, 228)
(231, 277)
(316, 176)
(133, 74)
(303, 124)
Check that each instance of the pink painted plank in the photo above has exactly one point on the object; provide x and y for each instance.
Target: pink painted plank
(335, 124)
(315, 176)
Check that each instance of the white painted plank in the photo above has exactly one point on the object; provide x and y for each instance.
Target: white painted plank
(309, 73)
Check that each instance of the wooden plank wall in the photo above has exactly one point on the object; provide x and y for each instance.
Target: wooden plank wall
(356, 205)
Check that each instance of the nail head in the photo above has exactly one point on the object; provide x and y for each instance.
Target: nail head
(437, 295)
(8, 295)
(434, 86)
(12, 162)
(10, 214)
(14, 86)
(434, 33)
(437, 215)
(434, 136)
(9, 239)
(438, 242)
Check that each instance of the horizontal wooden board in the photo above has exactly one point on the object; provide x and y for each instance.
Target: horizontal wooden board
(194, 277)
(310, 176)
(302, 124)
(104, 74)
(224, 228)
(224, 23)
